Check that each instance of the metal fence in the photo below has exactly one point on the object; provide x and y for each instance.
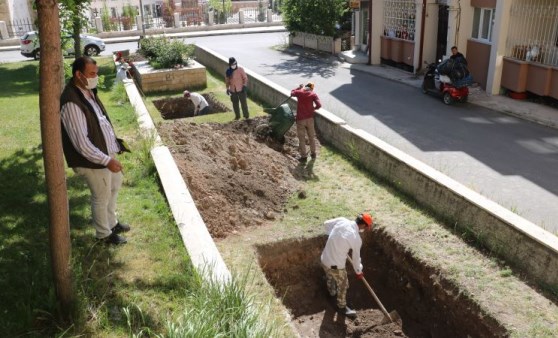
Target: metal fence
(533, 31)
(194, 16)
(19, 27)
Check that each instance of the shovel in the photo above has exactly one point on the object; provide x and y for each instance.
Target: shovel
(390, 317)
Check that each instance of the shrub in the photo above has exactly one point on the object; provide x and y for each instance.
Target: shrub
(163, 53)
(319, 17)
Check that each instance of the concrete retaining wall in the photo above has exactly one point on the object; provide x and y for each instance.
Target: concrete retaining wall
(521, 243)
(150, 80)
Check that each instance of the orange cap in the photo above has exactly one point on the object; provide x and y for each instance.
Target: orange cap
(368, 220)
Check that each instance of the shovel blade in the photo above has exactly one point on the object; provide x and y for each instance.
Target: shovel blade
(394, 317)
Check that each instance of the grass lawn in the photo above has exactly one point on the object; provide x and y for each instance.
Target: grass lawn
(147, 286)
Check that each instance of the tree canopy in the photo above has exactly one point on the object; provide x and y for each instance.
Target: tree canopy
(321, 17)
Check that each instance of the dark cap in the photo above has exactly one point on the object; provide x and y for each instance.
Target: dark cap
(232, 61)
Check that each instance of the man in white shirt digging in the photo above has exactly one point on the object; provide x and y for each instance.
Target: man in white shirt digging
(201, 107)
(343, 236)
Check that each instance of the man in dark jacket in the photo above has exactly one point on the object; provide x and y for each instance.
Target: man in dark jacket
(308, 103)
(90, 147)
(457, 57)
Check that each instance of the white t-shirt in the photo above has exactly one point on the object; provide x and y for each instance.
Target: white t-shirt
(198, 101)
(343, 235)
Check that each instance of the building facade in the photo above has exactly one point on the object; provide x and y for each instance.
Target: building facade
(510, 44)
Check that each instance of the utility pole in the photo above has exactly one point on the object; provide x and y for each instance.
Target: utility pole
(142, 19)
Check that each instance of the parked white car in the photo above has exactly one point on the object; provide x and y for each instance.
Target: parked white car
(29, 45)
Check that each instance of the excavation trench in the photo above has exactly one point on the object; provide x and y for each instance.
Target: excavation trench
(180, 107)
(429, 305)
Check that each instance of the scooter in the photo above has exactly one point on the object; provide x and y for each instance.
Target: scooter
(441, 85)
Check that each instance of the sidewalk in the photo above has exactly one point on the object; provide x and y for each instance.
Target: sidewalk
(523, 109)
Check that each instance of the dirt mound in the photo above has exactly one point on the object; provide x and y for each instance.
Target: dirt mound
(179, 107)
(237, 174)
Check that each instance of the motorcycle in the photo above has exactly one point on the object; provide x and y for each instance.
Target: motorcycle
(441, 85)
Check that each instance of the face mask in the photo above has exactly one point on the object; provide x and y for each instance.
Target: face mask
(233, 66)
(92, 82)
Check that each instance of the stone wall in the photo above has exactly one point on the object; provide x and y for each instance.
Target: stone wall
(519, 242)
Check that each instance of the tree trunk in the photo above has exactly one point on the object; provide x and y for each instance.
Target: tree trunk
(50, 69)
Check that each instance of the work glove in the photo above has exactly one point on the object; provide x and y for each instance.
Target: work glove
(360, 275)
(244, 89)
(228, 92)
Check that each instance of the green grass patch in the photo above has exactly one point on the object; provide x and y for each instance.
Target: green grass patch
(147, 286)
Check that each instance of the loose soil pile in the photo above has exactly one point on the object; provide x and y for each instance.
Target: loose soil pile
(237, 174)
(179, 107)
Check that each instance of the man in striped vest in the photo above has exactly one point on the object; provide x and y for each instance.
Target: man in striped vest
(90, 147)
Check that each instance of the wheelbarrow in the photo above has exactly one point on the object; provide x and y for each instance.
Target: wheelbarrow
(281, 120)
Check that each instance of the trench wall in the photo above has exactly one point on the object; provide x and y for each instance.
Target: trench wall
(521, 243)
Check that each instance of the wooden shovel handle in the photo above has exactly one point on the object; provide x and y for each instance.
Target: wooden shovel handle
(373, 294)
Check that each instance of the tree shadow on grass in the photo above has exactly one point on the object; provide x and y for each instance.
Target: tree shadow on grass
(19, 81)
(28, 300)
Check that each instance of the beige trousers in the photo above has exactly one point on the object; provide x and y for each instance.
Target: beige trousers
(104, 186)
(304, 127)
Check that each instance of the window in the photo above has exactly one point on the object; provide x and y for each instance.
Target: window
(483, 23)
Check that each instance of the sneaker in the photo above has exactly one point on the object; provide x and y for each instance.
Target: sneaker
(347, 312)
(114, 239)
(119, 227)
(237, 118)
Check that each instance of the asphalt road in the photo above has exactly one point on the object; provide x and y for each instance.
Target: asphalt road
(511, 161)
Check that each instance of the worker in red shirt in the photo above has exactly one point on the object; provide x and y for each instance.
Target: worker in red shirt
(308, 103)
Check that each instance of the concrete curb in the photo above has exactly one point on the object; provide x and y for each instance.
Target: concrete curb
(196, 238)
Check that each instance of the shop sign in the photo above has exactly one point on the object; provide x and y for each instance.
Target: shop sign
(354, 4)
